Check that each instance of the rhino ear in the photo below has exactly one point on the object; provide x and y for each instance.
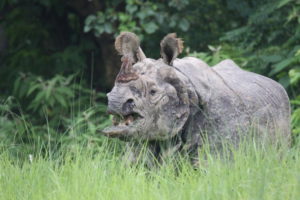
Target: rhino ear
(128, 45)
(170, 48)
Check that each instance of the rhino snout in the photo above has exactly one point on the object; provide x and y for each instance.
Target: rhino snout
(120, 106)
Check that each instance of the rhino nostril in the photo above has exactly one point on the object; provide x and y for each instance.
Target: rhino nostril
(130, 101)
(128, 105)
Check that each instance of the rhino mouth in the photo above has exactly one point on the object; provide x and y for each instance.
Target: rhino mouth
(122, 124)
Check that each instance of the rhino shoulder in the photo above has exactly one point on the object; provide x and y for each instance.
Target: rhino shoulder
(190, 63)
(227, 64)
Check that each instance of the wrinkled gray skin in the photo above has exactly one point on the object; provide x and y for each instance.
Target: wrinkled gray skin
(176, 107)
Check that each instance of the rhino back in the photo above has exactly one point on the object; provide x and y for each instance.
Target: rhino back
(234, 99)
(258, 96)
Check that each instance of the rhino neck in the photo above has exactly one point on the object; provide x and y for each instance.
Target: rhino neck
(200, 76)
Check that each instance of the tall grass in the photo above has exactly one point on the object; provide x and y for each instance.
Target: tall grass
(250, 172)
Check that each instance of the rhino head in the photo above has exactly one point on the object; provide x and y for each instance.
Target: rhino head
(150, 99)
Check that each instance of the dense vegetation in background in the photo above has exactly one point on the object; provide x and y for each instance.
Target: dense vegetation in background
(57, 58)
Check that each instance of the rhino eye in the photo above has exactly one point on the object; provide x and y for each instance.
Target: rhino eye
(152, 92)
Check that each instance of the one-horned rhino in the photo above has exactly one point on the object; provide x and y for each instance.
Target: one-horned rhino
(175, 104)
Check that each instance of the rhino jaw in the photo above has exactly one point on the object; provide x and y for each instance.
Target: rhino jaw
(122, 125)
(116, 131)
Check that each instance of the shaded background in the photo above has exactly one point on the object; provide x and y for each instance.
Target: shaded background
(57, 58)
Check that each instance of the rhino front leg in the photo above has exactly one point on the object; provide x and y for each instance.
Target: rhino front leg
(140, 153)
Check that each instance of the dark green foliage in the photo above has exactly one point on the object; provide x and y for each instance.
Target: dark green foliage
(44, 38)
(44, 74)
(199, 23)
(51, 112)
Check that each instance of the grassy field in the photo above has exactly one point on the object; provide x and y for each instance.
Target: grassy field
(251, 172)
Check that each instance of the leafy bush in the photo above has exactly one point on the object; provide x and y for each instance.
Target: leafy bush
(219, 53)
(295, 79)
(139, 16)
(52, 111)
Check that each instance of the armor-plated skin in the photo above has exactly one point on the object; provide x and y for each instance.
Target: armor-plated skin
(175, 103)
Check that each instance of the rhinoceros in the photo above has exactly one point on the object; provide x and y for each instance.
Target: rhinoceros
(175, 104)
